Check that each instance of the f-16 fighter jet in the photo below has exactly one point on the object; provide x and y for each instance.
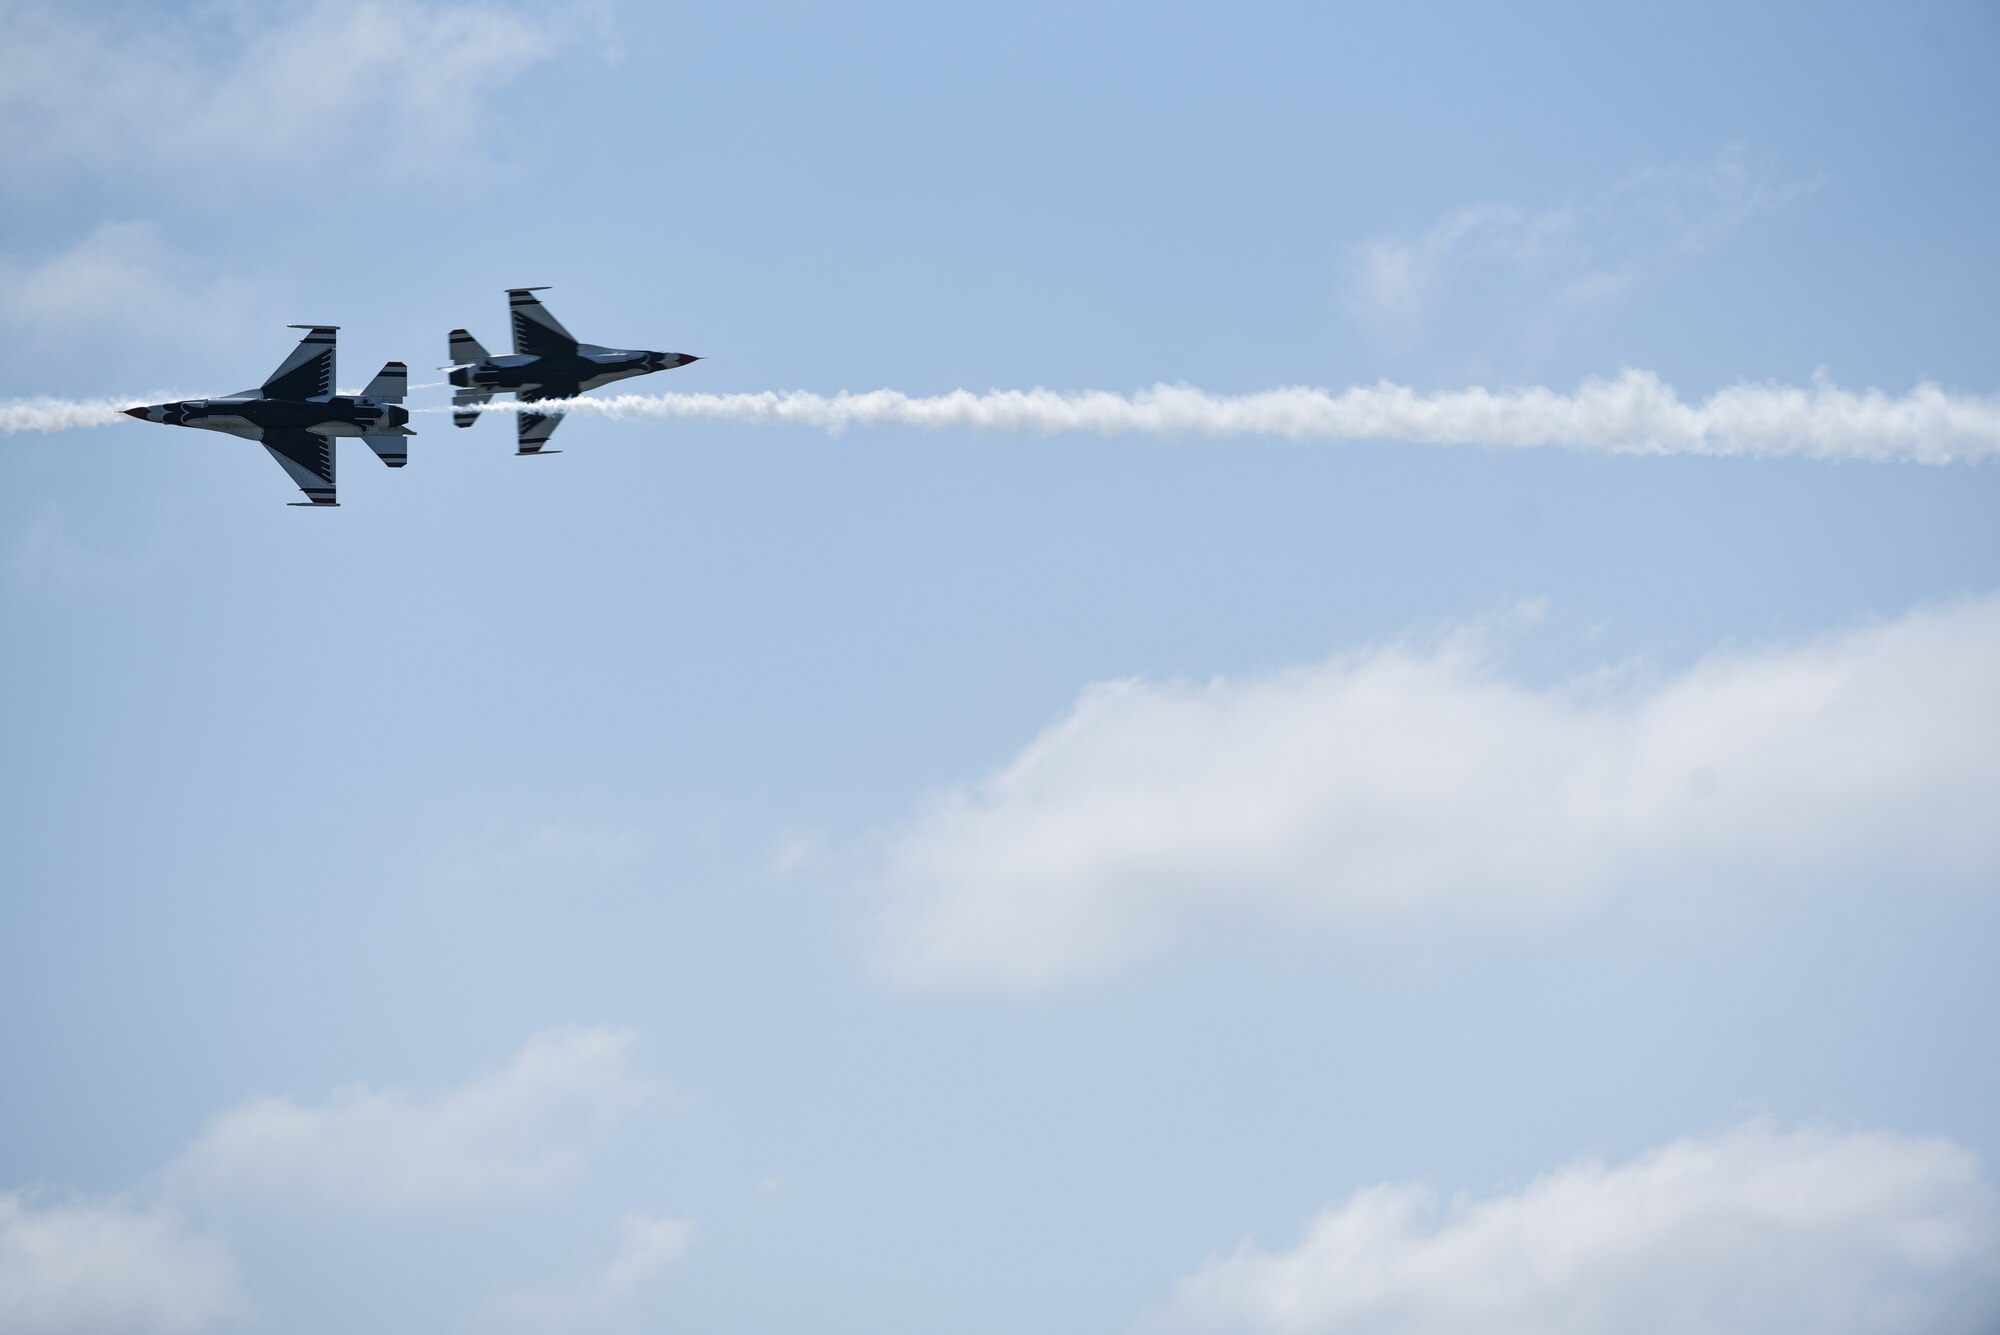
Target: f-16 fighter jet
(296, 415)
(548, 363)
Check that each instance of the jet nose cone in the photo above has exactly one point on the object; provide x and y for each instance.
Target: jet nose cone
(141, 413)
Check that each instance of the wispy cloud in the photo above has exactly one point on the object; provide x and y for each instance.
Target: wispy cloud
(544, 845)
(74, 1266)
(1419, 779)
(1635, 413)
(47, 554)
(1578, 252)
(1750, 1230)
(119, 282)
(160, 89)
(523, 1130)
(648, 1246)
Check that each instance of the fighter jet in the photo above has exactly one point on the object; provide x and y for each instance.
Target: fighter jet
(548, 363)
(296, 415)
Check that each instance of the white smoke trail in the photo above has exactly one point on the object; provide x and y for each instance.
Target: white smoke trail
(61, 414)
(46, 414)
(1635, 413)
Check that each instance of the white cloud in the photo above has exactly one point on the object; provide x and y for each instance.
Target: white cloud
(197, 95)
(82, 1267)
(648, 1245)
(1584, 250)
(520, 1131)
(1751, 1230)
(1422, 781)
(1634, 413)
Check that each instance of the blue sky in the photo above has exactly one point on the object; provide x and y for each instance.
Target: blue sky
(741, 876)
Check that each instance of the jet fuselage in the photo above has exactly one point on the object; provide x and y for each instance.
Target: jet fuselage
(569, 375)
(338, 415)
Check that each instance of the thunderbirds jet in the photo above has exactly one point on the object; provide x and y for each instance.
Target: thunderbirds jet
(296, 415)
(548, 363)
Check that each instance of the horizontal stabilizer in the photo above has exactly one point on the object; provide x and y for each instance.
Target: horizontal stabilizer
(390, 385)
(391, 445)
(464, 411)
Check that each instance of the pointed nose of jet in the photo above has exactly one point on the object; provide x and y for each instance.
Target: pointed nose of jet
(171, 414)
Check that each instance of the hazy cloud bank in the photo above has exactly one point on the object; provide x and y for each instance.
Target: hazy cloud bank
(100, 88)
(78, 1267)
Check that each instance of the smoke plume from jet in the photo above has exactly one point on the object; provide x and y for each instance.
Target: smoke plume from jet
(61, 414)
(1635, 413)
(1632, 413)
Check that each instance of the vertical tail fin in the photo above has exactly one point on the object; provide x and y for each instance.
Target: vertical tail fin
(465, 348)
(389, 386)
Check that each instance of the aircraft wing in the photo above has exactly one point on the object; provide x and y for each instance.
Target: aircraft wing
(307, 458)
(533, 429)
(536, 332)
(308, 372)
